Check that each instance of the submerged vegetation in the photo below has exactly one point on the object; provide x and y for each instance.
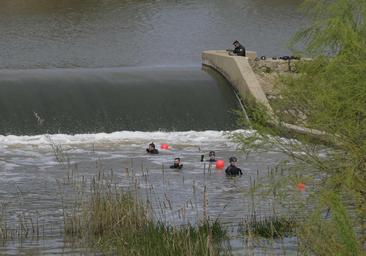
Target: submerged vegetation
(327, 94)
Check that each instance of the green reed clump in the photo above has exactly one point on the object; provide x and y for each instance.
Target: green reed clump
(269, 227)
(4, 231)
(116, 221)
(161, 239)
(25, 226)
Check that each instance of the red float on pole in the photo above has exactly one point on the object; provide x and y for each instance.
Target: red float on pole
(164, 146)
(301, 187)
(220, 164)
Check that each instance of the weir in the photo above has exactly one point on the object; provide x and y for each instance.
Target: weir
(74, 101)
(237, 70)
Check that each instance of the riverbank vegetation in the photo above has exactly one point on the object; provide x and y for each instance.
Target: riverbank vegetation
(116, 221)
(272, 227)
(327, 94)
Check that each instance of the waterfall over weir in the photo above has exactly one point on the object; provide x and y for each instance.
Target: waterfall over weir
(74, 101)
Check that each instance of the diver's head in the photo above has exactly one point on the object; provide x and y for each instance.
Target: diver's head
(151, 146)
(233, 160)
(236, 43)
(176, 160)
(212, 155)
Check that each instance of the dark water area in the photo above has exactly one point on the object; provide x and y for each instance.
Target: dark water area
(114, 33)
(105, 66)
(101, 79)
(106, 100)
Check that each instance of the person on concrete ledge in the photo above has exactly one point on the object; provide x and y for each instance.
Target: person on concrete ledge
(239, 49)
(177, 164)
(152, 149)
(211, 155)
(232, 170)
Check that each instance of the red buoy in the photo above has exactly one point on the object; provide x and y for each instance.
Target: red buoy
(220, 164)
(164, 146)
(301, 187)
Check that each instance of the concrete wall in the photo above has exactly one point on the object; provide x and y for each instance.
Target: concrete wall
(237, 70)
(239, 73)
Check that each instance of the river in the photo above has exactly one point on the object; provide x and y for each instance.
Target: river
(102, 79)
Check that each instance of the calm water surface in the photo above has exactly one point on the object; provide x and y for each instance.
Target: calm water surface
(113, 33)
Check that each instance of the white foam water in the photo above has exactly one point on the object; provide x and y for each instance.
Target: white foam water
(133, 137)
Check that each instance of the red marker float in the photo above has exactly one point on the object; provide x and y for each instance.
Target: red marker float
(220, 164)
(164, 146)
(301, 187)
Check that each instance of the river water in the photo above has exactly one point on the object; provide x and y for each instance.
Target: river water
(112, 33)
(102, 79)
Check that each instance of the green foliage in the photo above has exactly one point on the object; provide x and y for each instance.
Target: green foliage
(336, 26)
(329, 230)
(328, 94)
(269, 227)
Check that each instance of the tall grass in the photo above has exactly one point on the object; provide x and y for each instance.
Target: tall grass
(269, 227)
(26, 225)
(117, 221)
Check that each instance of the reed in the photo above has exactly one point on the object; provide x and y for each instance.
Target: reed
(114, 220)
(272, 227)
(26, 225)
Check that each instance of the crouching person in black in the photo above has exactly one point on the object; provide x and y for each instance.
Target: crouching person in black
(232, 170)
(152, 149)
(177, 164)
(239, 49)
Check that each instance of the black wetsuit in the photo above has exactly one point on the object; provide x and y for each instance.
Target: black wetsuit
(176, 166)
(233, 171)
(208, 160)
(240, 50)
(154, 151)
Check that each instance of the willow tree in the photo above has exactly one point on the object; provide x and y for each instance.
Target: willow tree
(328, 94)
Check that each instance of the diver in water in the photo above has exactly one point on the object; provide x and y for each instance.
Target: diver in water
(211, 155)
(232, 170)
(177, 164)
(152, 149)
(239, 49)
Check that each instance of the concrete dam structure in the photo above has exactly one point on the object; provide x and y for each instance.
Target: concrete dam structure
(237, 70)
(239, 73)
